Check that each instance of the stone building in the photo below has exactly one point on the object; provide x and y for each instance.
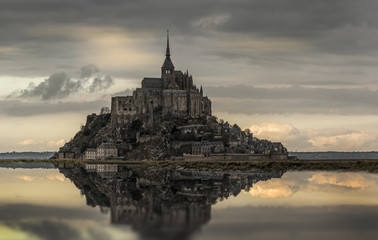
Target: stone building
(172, 93)
(201, 148)
(90, 154)
(106, 150)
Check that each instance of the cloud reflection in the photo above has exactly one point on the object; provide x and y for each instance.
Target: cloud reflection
(350, 180)
(321, 182)
(274, 188)
(52, 177)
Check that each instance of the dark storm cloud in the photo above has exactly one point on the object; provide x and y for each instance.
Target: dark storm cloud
(22, 109)
(314, 20)
(295, 99)
(57, 32)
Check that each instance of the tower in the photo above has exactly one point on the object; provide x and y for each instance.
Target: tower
(168, 69)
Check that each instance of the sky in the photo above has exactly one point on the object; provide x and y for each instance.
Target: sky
(300, 72)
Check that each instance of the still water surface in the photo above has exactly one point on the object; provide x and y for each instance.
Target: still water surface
(119, 202)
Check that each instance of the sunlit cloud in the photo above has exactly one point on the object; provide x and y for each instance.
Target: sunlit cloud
(57, 143)
(343, 142)
(350, 180)
(9, 50)
(53, 177)
(274, 131)
(27, 142)
(274, 188)
(311, 139)
(27, 178)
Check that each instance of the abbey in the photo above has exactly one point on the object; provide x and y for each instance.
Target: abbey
(173, 93)
(167, 118)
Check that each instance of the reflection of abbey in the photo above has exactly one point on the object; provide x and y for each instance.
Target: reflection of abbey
(160, 203)
(173, 93)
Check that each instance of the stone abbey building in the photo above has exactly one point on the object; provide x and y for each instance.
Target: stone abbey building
(172, 93)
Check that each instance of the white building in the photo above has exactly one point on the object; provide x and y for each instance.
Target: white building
(90, 153)
(106, 150)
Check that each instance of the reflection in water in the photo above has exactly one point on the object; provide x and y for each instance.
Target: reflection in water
(160, 203)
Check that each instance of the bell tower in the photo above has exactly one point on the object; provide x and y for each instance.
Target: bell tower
(168, 69)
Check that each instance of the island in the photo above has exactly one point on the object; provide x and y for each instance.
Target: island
(167, 118)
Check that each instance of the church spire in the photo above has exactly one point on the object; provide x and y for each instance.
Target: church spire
(168, 68)
(168, 52)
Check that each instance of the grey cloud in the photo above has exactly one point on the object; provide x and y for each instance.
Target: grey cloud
(295, 99)
(13, 212)
(99, 84)
(58, 85)
(320, 28)
(124, 93)
(277, 18)
(59, 230)
(50, 222)
(50, 230)
(88, 70)
(19, 108)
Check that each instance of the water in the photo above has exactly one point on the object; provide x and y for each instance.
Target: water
(119, 202)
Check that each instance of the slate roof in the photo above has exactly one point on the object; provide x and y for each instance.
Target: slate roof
(168, 63)
(151, 79)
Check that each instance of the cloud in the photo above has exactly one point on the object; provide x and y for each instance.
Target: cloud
(58, 143)
(274, 188)
(14, 212)
(99, 84)
(27, 178)
(274, 131)
(211, 21)
(350, 180)
(124, 92)
(294, 99)
(19, 108)
(314, 139)
(60, 85)
(47, 229)
(27, 142)
(50, 222)
(88, 70)
(354, 140)
(283, 222)
(342, 27)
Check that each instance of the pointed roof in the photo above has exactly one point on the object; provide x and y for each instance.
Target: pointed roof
(168, 62)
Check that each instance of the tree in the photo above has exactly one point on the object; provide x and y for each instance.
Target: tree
(104, 110)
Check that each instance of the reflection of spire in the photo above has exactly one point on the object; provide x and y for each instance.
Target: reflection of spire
(168, 52)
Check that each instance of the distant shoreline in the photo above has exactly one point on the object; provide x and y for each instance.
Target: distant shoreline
(367, 165)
